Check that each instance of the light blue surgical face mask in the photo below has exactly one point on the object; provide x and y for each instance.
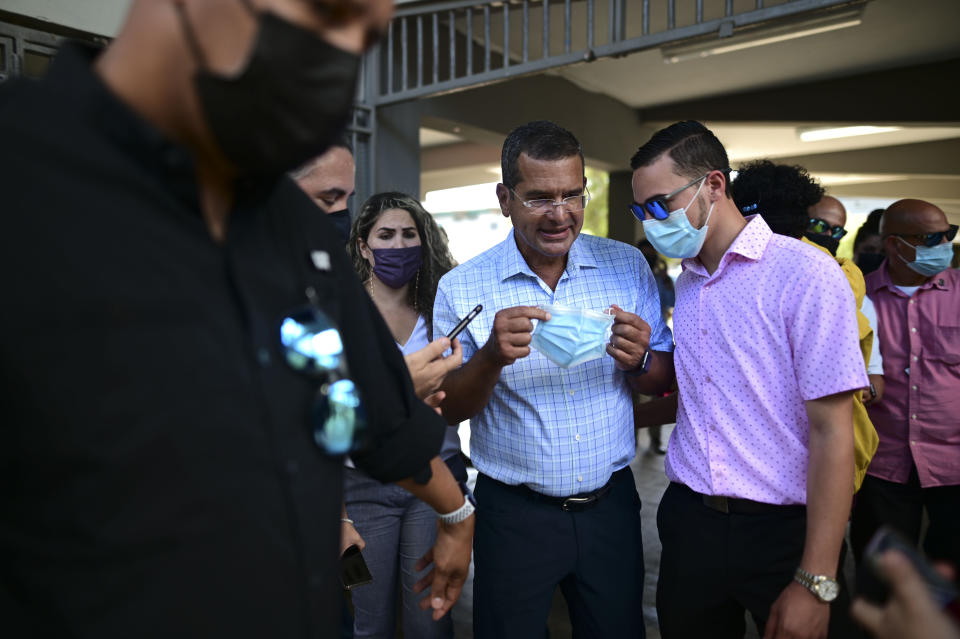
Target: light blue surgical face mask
(675, 236)
(572, 336)
(930, 260)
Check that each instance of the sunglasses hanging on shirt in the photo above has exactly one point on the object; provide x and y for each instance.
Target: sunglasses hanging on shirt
(312, 345)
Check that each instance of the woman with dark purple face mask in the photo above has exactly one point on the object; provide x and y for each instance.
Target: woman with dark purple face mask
(400, 254)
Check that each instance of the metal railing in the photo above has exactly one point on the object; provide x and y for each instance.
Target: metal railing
(434, 48)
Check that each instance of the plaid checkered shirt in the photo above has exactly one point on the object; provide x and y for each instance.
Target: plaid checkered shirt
(559, 431)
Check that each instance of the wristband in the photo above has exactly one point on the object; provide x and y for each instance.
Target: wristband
(642, 368)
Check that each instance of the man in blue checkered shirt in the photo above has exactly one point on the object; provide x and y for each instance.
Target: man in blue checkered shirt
(557, 504)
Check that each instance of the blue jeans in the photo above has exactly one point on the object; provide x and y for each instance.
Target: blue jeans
(398, 529)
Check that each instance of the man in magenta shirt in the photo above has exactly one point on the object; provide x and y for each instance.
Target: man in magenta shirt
(767, 359)
(917, 465)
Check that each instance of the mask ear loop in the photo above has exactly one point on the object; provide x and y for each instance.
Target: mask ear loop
(190, 34)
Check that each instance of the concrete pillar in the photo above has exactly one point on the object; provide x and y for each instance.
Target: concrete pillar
(621, 225)
(397, 149)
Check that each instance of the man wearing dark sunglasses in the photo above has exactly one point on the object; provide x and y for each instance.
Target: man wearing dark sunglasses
(827, 219)
(164, 469)
(767, 359)
(917, 465)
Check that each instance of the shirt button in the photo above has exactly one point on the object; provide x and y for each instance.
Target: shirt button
(703, 330)
(263, 356)
(913, 442)
(571, 392)
(913, 329)
(914, 358)
(914, 416)
(579, 477)
(577, 437)
(706, 379)
(911, 301)
(292, 467)
(914, 387)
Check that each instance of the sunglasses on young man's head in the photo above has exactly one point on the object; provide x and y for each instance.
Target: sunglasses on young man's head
(312, 345)
(822, 227)
(929, 239)
(656, 206)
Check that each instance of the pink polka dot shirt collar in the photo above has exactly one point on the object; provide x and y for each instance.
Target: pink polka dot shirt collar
(773, 327)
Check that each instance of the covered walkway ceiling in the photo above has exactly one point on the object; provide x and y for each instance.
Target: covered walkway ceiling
(896, 68)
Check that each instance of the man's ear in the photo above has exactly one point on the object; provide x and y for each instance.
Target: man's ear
(503, 196)
(716, 185)
(893, 246)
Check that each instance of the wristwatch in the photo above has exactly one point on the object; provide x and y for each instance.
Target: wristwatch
(642, 368)
(461, 513)
(823, 588)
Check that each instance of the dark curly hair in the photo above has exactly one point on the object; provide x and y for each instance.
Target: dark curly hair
(437, 259)
(781, 194)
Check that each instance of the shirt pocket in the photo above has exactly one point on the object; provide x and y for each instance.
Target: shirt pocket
(945, 346)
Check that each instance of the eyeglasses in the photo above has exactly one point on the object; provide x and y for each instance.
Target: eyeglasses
(929, 239)
(572, 203)
(312, 345)
(822, 227)
(656, 206)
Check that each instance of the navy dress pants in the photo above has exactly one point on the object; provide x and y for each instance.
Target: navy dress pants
(526, 546)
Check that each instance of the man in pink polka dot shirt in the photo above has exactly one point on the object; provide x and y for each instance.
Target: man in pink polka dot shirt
(767, 360)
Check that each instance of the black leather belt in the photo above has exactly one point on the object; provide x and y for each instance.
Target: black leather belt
(739, 506)
(573, 503)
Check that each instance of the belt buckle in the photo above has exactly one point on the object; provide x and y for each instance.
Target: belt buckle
(570, 503)
(717, 502)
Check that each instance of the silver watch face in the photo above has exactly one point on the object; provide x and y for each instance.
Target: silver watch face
(827, 589)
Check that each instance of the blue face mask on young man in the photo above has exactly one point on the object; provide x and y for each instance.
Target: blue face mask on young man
(572, 336)
(675, 236)
(930, 260)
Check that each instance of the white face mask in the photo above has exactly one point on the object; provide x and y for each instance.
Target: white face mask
(675, 236)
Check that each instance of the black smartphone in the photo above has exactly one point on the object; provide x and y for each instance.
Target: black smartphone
(873, 587)
(353, 569)
(466, 320)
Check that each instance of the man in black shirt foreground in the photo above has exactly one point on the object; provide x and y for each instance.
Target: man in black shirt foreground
(159, 474)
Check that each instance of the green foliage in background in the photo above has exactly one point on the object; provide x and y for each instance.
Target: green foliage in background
(595, 216)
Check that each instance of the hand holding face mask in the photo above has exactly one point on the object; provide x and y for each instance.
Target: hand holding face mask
(630, 339)
(511, 334)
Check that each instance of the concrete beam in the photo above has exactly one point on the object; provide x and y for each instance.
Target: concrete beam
(941, 157)
(912, 94)
(609, 131)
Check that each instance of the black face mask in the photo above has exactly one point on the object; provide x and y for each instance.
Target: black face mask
(827, 242)
(290, 102)
(341, 220)
(869, 262)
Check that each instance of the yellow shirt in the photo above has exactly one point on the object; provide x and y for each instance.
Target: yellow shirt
(865, 437)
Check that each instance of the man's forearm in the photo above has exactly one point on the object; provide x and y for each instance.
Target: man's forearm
(829, 483)
(441, 493)
(468, 388)
(659, 379)
(656, 412)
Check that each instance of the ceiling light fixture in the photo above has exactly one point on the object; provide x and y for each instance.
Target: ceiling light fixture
(832, 133)
(727, 42)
